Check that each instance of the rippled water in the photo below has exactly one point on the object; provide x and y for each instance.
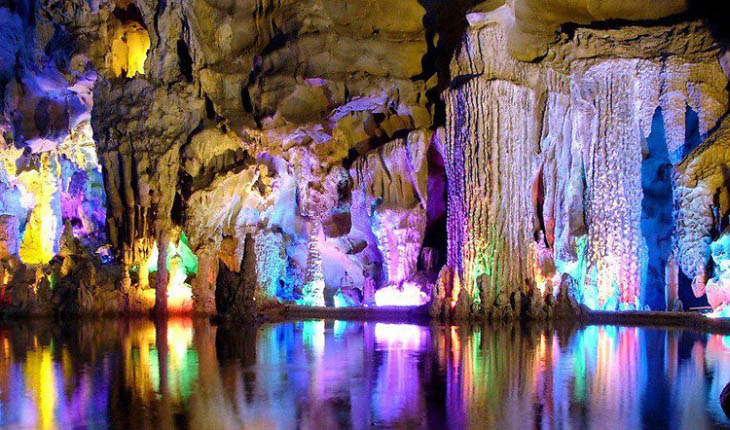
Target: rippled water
(341, 375)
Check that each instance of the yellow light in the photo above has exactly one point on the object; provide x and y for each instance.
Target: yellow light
(129, 49)
(41, 381)
(39, 238)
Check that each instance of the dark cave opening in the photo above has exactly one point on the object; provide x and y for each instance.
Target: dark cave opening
(235, 289)
(689, 301)
(129, 13)
(436, 236)
(656, 212)
(185, 60)
(692, 138)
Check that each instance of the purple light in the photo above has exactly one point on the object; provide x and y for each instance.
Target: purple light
(406, 294)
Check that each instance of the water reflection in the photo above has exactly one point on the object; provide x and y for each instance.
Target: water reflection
(341, 375)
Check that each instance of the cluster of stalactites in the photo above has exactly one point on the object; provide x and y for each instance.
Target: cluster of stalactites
(554, 207)
(42, 190)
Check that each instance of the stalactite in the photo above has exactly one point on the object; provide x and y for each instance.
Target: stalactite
(313, 288)
(552, 162)
(497, 210)
(204, 283)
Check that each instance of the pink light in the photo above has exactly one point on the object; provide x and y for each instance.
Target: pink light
(401, 336)
(407, 294)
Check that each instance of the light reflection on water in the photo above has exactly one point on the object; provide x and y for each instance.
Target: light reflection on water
(341, 375)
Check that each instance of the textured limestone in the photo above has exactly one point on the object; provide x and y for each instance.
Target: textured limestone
(306, 152)
(534, 24)
(702, 198)
(390, 187)
(550, 153)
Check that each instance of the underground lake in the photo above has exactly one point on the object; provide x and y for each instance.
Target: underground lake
(331, 374)
(364, 214)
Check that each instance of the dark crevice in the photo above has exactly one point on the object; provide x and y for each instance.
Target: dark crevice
(461, 80)
(185, 60)
(177, 213)
(436, 236)
(159, 9)
(279, 41)
(445, 20)
(692, 138)
(246, 99)
(352, 155)
(209, 108)
(538, 202)
(656, 213)
(569, 28)
(129, 14)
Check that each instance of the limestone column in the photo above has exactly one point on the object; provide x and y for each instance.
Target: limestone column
(204, 284)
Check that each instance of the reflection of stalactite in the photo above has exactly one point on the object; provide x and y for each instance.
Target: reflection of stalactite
(495, 375)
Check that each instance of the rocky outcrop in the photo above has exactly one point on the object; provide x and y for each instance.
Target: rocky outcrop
(554, 155)
(390, 192)
(549, 156)
(535, 24)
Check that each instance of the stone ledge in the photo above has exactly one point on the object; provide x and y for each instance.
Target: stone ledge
(689, 320)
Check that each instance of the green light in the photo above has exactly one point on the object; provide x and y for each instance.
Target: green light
(182, 249)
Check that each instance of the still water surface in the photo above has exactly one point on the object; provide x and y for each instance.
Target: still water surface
(340, 375)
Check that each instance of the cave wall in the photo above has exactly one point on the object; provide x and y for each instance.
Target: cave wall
(576, 123)
(209, 131)
(490, 158)
(50, 176)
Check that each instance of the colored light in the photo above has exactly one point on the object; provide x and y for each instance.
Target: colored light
(401, 336)
(42, 230)
(407, 294)
(129, 50)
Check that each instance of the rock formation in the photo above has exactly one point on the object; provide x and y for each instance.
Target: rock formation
(489, 159)
(551, 155)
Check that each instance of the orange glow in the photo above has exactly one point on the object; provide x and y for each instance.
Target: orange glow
(179, 293)
(456, 289)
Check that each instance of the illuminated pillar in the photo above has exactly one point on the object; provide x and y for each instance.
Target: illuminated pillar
(313, 289)
(165, 237)
(203, 285)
